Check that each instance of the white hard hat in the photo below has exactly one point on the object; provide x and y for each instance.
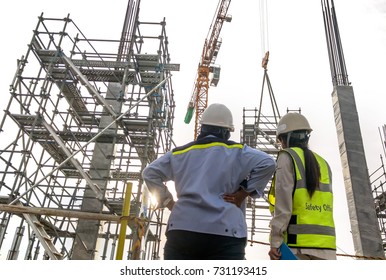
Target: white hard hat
(291, 122)
(218, 115)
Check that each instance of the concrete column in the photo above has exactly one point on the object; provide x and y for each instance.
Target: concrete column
(364, 223)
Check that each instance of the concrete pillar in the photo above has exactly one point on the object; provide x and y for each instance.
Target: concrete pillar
(364, 223)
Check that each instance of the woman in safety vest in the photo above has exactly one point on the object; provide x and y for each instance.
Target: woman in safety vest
(301, 198)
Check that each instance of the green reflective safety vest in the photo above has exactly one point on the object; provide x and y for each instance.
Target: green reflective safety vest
(311, 224)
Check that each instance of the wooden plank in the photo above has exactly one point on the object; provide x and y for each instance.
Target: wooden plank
(62, 213)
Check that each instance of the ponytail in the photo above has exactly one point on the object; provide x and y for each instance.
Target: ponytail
(312, 171)
(310, 163)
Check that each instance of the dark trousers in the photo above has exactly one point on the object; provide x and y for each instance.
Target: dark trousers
(187, 245)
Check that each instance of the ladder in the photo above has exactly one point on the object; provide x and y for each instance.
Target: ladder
(43, 237)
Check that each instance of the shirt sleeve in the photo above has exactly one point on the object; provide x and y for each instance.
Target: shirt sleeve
(260, 174)
(284, 186)
(155, 175)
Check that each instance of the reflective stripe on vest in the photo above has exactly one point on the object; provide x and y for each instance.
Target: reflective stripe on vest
(206, 146)
(311, 224)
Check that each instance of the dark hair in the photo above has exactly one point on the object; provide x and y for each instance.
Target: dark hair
(220, 132)
(312, 168)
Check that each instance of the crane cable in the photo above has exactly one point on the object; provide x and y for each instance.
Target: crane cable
(264, 33)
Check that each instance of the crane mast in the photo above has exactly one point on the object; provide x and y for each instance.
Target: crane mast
(206, 67)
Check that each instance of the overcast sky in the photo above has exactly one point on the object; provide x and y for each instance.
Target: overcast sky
(298, 67)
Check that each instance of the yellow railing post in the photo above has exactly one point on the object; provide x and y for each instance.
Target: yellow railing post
(124, 222)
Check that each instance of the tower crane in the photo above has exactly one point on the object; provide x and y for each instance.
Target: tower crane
(208, 74)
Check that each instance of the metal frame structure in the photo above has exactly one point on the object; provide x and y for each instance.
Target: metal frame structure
(378, 181)
(259, 131)
(84, 117)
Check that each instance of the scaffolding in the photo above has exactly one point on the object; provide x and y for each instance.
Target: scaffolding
(259, 132)
(84, 117)
(378, 181)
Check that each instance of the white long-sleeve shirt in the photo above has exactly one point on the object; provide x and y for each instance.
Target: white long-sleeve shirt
(203, 171)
